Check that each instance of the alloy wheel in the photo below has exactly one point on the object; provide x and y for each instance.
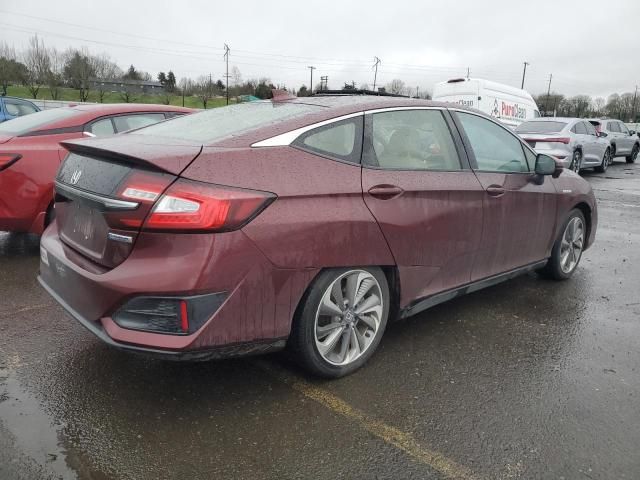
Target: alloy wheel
(572, 244)
(348, 317)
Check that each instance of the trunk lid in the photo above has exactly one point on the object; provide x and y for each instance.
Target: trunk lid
(95, 214)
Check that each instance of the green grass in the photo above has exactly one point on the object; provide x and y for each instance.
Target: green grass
(72, 95)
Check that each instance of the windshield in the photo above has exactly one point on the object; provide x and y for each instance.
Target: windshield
(33, 121)
(218, 123)
(540, 127)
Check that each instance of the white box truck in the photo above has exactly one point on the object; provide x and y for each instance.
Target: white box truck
(510, 105)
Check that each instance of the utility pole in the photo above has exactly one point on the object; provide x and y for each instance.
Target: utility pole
(227, 50)
(524, 72)
(324, 82)
(468, 71)
(417, 92)
(311, 68)
(548, 95)
(376, 62)
(635, 96)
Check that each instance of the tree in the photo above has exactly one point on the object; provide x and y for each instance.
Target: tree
(303, 91)
(220, 86)
(205, 89)
(162, 78)
(263, 89)
(396, 87)
(131, 74)
(105, 69)
(36, 59)
(11, 70)
(55, 74)
(598, 106)
(236, 76)
(79, 70)
(613, 105)
(171, 82)
(127, 96)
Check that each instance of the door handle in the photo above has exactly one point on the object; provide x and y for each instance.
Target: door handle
(495, 190)
(385, 192)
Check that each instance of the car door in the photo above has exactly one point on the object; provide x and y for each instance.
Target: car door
(519, 212)
(417, 183)
(615, 137)
(597, 146)
(625, 137)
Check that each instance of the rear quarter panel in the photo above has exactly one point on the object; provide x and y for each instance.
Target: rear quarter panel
(573, 191)
(319, 218)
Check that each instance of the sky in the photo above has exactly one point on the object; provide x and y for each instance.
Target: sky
(590, 47)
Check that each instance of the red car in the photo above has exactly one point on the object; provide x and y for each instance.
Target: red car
(304, 222)
(30, 153)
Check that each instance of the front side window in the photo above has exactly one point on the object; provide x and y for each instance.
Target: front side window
(495, 149)
(591, 130)
(17, 108)
(412, 140)
(340, 140)
(623, 128)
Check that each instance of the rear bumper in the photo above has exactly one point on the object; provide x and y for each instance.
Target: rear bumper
(227, 351)
(255, 317)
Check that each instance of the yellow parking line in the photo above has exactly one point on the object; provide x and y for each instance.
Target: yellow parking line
(391, 435)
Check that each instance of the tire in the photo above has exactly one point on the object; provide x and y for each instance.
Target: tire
(606, 161)
(576, 162)
(634, 154)
(334, 352)
(556, 268)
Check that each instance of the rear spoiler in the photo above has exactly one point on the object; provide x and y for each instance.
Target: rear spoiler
(152, 153)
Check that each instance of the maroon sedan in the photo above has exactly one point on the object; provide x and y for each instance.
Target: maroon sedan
(30, 153)
(305, 223)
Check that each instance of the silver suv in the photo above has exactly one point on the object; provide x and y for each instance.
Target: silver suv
(624, 142)
(573, 141)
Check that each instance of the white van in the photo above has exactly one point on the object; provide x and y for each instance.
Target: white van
(510, 105)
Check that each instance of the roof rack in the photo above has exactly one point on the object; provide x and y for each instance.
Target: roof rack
(358, 91)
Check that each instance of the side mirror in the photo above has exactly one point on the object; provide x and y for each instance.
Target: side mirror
(545, 165)
(632, 132)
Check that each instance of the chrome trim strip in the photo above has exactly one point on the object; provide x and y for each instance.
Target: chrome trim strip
(106, 201)
(288, 138)
(119, 238)
(285, 139)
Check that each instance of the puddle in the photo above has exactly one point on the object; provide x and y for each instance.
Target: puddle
(34, 433)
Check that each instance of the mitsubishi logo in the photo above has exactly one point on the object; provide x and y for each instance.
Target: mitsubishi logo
(75, 177)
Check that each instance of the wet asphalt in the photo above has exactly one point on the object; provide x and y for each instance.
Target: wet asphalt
(528, 379)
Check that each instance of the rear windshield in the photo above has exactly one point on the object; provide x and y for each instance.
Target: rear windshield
(33, 121)
(540, 127)
(218, 123)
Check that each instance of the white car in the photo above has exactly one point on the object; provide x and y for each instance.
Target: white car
(510, 105)
(624, 142)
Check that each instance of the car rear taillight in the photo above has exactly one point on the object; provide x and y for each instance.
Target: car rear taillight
(171, 315)
(8, 159)
(196, 206)
(564, 140)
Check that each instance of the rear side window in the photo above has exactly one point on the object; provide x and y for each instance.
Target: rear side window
(102, 127)
(129, 122)
(340, 140)
(613, 127)
(540, 127)
(495, 149)
(17, 108)
(412, 140)
(579, 128)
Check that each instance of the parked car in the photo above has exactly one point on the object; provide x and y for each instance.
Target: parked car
(303, 222)
(624, 142)
(510, 105)
(11, 107)
(574, 142)
(30, 154)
